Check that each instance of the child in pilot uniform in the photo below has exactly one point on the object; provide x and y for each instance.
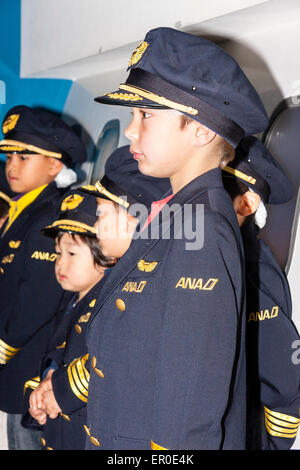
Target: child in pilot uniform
(58, 403)
(37, 144)
(62, 395)
(253, 180)
(169, 331)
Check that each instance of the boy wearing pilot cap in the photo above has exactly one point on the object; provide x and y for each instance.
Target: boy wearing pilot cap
(253, 180)
(173, 353)
(37, 144)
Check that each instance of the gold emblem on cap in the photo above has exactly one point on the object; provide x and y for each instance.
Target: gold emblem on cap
(71, 202)
(10, 123)
(138, 53)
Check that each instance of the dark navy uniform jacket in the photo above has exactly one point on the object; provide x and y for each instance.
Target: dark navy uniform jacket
(29, 294)
(68, 354)
(168, 337)
(273, 365)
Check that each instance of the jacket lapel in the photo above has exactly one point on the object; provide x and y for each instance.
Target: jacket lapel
(18, 228)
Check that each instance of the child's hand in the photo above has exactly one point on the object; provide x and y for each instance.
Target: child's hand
(36, 397)
(51, 406)
(39, 415)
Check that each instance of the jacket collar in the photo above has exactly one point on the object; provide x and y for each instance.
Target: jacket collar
(18, 204)
(30, 199)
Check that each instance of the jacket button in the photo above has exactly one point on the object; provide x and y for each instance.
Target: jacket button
(97, 371)
(120, 304)
(87, 430)
(95, 441)
(66, 417)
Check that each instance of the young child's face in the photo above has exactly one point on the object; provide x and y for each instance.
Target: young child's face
(158, 143)
(114, 227)
(75, 269)
(25, 172)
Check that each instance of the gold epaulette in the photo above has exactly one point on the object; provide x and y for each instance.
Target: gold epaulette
(7, 352)
(32, 383)
(79, 377)
(281, 425)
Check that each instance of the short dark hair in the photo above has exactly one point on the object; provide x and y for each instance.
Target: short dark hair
(99, 258)
(225, 149)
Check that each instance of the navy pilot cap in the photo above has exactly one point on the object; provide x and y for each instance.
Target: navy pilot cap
(35, 130)
(77, 216)
(177, 70)
(256, 168)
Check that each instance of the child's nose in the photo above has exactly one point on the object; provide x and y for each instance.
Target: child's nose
(132, 131)
(11, 162)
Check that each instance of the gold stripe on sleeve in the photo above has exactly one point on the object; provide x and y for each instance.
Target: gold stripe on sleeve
(79, 377)
(7, 352)
(157, 447)
(32, 383)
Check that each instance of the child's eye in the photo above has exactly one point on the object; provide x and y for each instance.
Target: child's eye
(98, 211)
(145, 115)
(71, 253)
(23, 157)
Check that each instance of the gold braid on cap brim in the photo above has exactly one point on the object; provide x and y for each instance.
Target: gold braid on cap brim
(159, 99)
(68, 224)
(102, 190)
(239, 174)
(16, 146)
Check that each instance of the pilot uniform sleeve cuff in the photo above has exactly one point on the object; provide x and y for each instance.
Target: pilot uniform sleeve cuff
(70, 385)
(155, 446)
(7, 352)
(280, 424)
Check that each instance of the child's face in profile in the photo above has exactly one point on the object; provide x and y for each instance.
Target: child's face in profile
(75, 269)
(25, 172)
(114, 227)
(157, 142)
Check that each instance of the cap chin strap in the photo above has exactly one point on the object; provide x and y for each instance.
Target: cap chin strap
(65, 177)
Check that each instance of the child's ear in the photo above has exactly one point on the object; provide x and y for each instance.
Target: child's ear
(55, 166)
(203, 135)
(248, 203)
